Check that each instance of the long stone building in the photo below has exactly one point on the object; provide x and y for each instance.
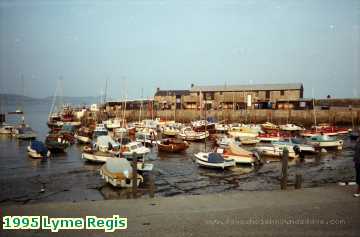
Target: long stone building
(233, 97)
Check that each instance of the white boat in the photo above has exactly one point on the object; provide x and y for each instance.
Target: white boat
(104, 148)
(242, 131)
(38, 150)
(6, 129)
(100, 130)
(146, 136)
(275, 150)
(290, 127)
(293, 142)
(119, 173)
(213, 160)
(222, 128)
(134, 148)
(224, 141)
(82, 139)
(325, 141)
(112, 123)
(189, 134)
(170, 131)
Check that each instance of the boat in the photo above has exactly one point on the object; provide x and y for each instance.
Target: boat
(170, 131)
(275, 150)
(24, 132)
(290, 127)
(238, 154)
(213, 160)
(100, 130)
(119, 173)
(269, 127)
(189, 134)
(203, 125)
(6, 129)
(269, 137)
(100, 151)
(38, 150)
(249, 141)
(221, 128)
(17, 111)
(84, 135)
(134, 149)
(224, 141)
(296, 144)
(241, 132)
(172, 145)
(324, 141)
(146, 136)
(112, 123)
(56, 142)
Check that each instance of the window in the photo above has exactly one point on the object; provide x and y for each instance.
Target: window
(267, 94)
(282, 92)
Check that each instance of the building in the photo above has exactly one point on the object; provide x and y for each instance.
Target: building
(170, 99)
(235, 97)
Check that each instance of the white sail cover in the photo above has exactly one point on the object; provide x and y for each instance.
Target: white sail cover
(119, 166)
(238, 150)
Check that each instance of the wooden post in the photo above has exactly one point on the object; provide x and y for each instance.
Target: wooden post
(134, 175)
(151, 185)
(298, 181)
(284, 169)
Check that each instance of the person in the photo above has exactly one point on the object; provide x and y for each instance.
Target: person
(357, 166)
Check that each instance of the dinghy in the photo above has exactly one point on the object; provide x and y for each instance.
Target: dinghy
(213, 160)
(119, 173)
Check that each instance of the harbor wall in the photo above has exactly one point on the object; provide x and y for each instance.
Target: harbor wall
(339, 116)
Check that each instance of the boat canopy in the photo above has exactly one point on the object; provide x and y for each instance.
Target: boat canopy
(119, 166)
(215, 158)
(39, 147)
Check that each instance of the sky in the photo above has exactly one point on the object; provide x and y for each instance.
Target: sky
(138, 46)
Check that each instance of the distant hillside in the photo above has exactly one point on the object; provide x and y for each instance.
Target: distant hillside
(12, 99)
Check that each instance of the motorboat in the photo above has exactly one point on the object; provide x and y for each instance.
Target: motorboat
(222, 128)
(290, 127)
(84, 135)
(24, 132)
(324, 141)
(38, 150)
(189, 134)
(269, 137)
(213, 160)
(119, 173)
(100, 130)
(6, 129)
(170, 131)
(224, 141)
(275, 150)
(146, 136)
(269, 127)
(172, 145)
(203, 125)
(112, 123)
(297, 144)
(134, 149)
(241, 132)
(57, 142)
(104, 148)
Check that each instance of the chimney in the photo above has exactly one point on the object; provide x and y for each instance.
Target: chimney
(158, 89)
(192, 85)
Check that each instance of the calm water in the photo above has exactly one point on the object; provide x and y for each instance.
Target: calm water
(66, 177)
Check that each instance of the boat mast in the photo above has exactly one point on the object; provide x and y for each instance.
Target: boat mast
(54, 99)
(141, 103)
(314, 109)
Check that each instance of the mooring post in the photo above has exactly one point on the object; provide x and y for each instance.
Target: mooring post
(134, 175)
(284, 169)
(151, 185)
(298, 181)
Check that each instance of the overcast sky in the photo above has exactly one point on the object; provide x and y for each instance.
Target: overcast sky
(171, 44)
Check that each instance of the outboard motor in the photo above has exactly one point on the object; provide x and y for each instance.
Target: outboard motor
(298, 152)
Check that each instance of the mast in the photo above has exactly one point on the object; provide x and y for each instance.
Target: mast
(314, 109)
(141, 104)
